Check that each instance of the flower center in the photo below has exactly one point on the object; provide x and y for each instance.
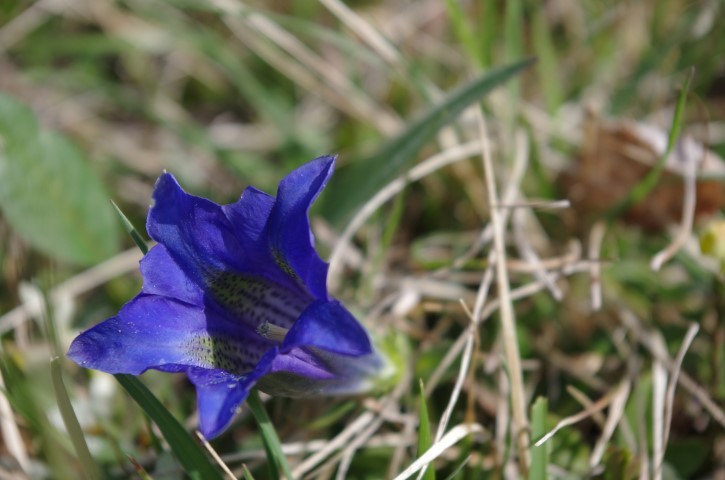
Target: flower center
(272, 332)
(263, 312)
(257, 301)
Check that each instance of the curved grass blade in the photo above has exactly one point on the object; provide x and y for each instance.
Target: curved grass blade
(272, 446)
(640, 191)
(71, 423)
(355, 184)
(425, 440)
(187, 450)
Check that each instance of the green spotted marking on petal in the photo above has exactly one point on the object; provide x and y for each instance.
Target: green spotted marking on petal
(283, 265)
(256, 300)
(215, 351)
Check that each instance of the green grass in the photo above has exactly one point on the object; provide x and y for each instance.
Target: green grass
(96, 103)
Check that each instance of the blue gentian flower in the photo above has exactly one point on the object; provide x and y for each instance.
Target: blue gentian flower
(235, 296)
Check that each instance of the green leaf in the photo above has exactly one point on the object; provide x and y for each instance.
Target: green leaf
(273, 447)
(354, 185)
(539, 455)
(49, 194)
(425, 440)
(187, 450)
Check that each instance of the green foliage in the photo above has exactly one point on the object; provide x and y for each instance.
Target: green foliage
(276, 460)
(425, 440)
(354, 185)
(49, 193)
(213, 94)
(71, 423)
(540, 454)
(188, 452)
(619, 464)
(648, 183)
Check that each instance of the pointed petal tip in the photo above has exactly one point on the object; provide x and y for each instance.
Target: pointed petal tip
(85, 350)
(327, 160)
(166, 177)
(213, 427)
(317, 170)
(221, 394)
(165, 184)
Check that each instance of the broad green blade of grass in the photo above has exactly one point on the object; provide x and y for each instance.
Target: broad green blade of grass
(71, 423)
(275, 457)
(49, 194)
(187, 450)
(539, 455)
(354, 185)
(425, 440)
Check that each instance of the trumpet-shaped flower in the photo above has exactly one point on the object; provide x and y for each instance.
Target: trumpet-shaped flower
(235, 296)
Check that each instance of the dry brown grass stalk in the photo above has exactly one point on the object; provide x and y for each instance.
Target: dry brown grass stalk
(511, 348)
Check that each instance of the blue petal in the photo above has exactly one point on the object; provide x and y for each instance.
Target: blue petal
(221, 249)
(248, 219)
(157, 332)
(303, 363)
(304, 372)
(148, 332)
(248, 216)
(329, 326)
(289, 235)
(162, 276)
(194, 230)
(219, 394)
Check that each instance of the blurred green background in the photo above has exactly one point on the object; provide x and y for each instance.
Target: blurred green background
(98, 97)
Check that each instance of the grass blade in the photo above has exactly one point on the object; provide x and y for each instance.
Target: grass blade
(640, 191)
(272, 445)
(187, 450)
(549, 71)
(540, 454)
(357, 183)
(425, 440)
(135, 235)
(246, 473)
(71, 423)
(468, 39)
